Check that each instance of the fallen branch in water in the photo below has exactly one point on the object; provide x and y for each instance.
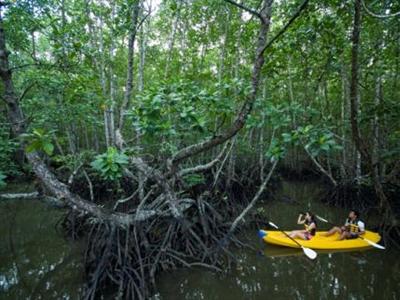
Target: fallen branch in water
(34, 196)
(11, 196)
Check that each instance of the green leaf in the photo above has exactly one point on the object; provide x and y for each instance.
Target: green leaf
(34, 146)
(48, 148)
(110, 164)
(325, 147)
(39, 132)
(287, 137)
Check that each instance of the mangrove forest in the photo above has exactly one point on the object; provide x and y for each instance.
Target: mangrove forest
(144, 143)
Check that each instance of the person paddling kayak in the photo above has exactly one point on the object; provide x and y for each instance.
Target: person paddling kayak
(310, 225)
(352, 229)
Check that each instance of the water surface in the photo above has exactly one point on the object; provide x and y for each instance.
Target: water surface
(282, 273)
(37, 262)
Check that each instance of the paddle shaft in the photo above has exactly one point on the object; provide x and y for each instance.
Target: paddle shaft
(291, 238)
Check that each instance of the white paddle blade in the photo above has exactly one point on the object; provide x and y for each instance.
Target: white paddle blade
(374, 244)
(311, 254)
(322, 219)
(273, 225)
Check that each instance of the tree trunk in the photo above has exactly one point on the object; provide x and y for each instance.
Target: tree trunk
(354, 95)
(110, 111)
(222, 54)
(344, 164)
(144, 29)
(171, 41)
(129, 76)
(143, 46)
(102, 70)
(354, 90)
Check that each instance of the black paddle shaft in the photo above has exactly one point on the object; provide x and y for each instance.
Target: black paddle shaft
(289, 237)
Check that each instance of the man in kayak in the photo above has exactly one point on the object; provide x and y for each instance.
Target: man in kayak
(310, 225)
(352, 229)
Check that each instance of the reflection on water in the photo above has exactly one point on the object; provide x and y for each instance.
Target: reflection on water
(282, 273)
(358, 275)
(35, 261)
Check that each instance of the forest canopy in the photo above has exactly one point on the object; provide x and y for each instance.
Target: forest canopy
(139, 112)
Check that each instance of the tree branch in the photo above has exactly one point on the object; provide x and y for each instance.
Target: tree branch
(241, 6)
(90, 185)
(205, 167)
(376, 15)
(284, 28)
(321, 168)
(26, 91)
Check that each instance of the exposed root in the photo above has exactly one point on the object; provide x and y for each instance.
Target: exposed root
(126, 261)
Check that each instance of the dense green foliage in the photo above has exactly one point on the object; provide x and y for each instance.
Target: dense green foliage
(38, 140)
(110, 164)
(191, 73)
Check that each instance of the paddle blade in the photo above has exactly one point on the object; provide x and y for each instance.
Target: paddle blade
(311, 254)
(261, 233)
(273, 225)
(374, 244)
(322, 219)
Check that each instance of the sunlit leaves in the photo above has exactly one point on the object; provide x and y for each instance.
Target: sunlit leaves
(276, 151)
(110, 164)
(39, 140)
(176, 109)
(314, 139)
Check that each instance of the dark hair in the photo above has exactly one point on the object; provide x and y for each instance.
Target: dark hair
(311, 215)
(356, 212)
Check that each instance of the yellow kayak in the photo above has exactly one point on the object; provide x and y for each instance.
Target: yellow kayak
(319, 241)
(279, 251)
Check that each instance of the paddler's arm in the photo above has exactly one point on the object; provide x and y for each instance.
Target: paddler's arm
(346, 225)
(299, 220)
(361, 227)
(312, 226)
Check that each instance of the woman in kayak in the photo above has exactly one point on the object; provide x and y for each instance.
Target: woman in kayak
(308, 220)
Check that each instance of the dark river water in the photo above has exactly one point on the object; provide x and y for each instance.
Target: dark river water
(36, 262)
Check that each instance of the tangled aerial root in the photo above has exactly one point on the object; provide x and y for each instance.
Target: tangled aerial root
(127, 260)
